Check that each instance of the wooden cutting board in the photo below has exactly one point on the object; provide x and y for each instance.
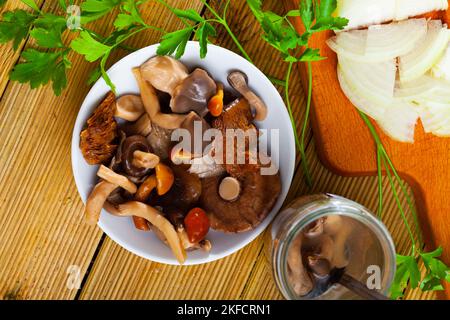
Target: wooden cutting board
(346, 147)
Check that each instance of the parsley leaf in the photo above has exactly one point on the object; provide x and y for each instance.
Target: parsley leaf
(407, 271)
(47, 38)
(51, 21)
(130, 15)
(188, 14)
(255, 6)
(95, 9)
(89, 47)
(307, 13)
(311, 55)
(15, 26)
(39, 68)
(436, 271)
(175, 42)
(204, 31)
(31, 4)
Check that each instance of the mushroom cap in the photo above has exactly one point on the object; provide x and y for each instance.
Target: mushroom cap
(164, 73)
(185, 191)
(193, 119)
(257, 197)
(194, 93)
(129, 146)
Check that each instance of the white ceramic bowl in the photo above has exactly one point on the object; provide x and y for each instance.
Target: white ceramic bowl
(219, 62)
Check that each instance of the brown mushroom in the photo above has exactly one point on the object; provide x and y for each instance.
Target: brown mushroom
(129, 107)
(194, 93)
(229, 189)
(129, 147)
(206, 167)
(257, 197)
(117, 179)
(239, 81)
(339, 230)
(156, 218)
(160, 140)
(97, 199)
(142, 127)
(192, 121)
(300, 280)
(185, 191)
(153, 107)
(164, 73)
(146, 160)
(97, 141)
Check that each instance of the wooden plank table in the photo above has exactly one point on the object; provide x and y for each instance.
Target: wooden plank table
(43, 235)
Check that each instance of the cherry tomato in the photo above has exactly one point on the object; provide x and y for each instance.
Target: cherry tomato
(197, 225)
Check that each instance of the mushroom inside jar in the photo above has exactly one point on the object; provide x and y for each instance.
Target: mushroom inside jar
(329, 244)
(179, 202)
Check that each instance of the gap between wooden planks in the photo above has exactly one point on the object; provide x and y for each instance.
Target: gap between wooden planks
(41, 213)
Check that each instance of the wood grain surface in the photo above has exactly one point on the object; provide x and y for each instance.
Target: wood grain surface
(345, 147)
(41, 215)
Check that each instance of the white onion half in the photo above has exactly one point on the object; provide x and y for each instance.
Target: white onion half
(373, 81)
(351, 45)
(389, 41)
(442, 69)
(416, 63)
(395, 117)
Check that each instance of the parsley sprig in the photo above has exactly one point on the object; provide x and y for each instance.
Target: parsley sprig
(48, 61)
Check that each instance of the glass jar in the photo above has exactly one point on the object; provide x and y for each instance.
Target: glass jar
(367, 247)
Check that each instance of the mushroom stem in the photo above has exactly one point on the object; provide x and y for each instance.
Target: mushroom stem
(152, 106)
(204, 244)
(238, 80)
(142, 127)
(117, 179)
(300, 280)
(339, 230)
(97, 199)
(145, 159)
(229, 189)
(155, 217)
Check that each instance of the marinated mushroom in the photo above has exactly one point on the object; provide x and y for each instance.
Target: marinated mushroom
(164, 73)
(117, 179)
(142, 127)
(300, 280)
(339, 231)
(160, 140)
(206, 167)
(153, 107)
(155, 217)
(194, 93)
(129, 107)
(236, 116)
(146, 160)
(185, 192)
(97, 199)
(239, 81)
(229, 189)
(97, 140)
(192, 121)
(142, 195)
(129, 147)
(257, 197)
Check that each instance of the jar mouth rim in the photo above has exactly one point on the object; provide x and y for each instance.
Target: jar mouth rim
(333, 205)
